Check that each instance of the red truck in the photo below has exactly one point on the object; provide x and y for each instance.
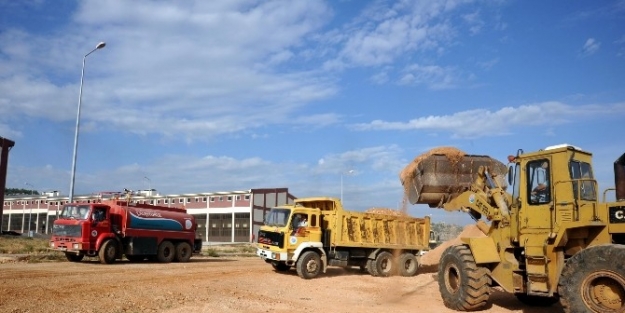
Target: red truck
(115, 228)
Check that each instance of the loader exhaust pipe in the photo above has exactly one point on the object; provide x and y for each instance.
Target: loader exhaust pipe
(619, 177)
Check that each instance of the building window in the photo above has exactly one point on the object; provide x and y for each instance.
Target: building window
(221, 198)
(247, 197)
(188, 200)
(229, 198)
(204, 199)
(197, 199)
(180, 200)
(238, 197)
(151, 201)
(212, 199)
(158, 201)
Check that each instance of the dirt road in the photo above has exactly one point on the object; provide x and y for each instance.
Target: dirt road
(216, 285)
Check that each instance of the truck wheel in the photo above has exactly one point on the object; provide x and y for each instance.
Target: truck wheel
(369, 267)
(463, 285)
(593, 280)
(183, 252)
(108, 252)
(280, 266)
(309, 265)
(407, 264)
(384, 264)
(73, 257)
(166, 252)
(537, 300)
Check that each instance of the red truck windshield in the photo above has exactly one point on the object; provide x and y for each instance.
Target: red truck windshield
(78, 212)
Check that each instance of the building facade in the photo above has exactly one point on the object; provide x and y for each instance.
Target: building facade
(229, 216)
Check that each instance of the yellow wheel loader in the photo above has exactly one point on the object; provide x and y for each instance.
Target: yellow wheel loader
(548, 238)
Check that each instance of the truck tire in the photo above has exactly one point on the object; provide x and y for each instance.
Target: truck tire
(309, 265)
(407, 264)
(166, 252)
(369, 267)
(280, 266)
(593, 280)
(183, 252)
(108, 252)
(537, 301)
(463, 285)
(73, 257)
(384, 264)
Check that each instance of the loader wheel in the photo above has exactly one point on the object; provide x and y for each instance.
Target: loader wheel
(384, 264)
(407, 264)
(183, 252)
(463, 285)
(108, 252)
(73, 257)
(280, 266)
(309, 265)
(537, 301)
(166, 252)
(593, 280)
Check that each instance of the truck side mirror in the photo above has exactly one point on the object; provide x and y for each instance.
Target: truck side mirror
(510, 175)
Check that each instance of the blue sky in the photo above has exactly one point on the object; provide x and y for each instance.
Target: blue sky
(201, 96)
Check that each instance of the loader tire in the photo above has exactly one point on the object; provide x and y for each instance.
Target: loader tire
(308, 265)
(463, 285)
(537, 301)
(593, 280)
(108, 252)
(384, 264)
(73, 257)
(407, 264)
(183, 252)
(166, 252)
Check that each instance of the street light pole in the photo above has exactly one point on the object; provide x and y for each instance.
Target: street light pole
(30, 214)
(348, 173)
(149, 183)
(82, 75)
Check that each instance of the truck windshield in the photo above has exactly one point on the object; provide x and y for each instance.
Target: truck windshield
(78, 212)
(277, 217)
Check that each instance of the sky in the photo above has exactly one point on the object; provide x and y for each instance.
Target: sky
(326, 98)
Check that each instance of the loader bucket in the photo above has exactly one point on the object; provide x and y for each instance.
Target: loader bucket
(437, 178)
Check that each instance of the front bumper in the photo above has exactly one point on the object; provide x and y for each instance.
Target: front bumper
(270, 255)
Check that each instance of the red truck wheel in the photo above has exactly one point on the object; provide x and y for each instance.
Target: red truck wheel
(166, 252)
(108, 252)
(183, 252)
(72, 257)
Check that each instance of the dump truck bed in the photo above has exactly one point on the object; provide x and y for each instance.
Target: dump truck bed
(369, 230)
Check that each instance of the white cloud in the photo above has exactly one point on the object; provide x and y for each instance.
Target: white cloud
(590, 47)
(433, 76)
(481, 122)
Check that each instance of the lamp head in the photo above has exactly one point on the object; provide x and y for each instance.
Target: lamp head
(101, 45)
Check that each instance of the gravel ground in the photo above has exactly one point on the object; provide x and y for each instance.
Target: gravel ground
(216, 285)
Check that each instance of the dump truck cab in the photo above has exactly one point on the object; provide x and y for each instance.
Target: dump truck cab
(287, 231)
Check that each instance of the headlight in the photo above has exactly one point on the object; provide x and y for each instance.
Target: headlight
(76, 246)
(51, 244)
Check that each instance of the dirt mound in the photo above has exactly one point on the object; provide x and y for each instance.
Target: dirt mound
(386, 211)
(429, 262)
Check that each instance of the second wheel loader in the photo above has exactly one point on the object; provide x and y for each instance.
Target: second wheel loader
(548, 237)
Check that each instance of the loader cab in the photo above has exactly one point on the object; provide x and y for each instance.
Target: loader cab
(559, 176)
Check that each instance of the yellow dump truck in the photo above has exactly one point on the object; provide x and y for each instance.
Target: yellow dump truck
(314, 233)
